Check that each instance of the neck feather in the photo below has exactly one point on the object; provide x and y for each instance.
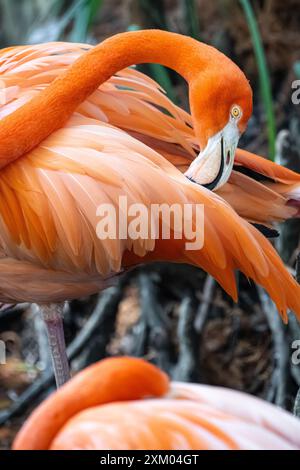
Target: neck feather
(25, 128)
(109, 380)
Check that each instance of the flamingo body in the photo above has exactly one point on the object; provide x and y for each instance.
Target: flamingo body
(62, 157)
(107, 406)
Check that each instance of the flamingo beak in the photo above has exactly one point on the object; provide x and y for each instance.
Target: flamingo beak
(213, 166)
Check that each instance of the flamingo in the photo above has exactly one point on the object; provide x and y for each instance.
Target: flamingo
(79, 127)
(126, 403)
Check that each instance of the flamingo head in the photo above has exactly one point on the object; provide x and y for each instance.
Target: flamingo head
(221, 105)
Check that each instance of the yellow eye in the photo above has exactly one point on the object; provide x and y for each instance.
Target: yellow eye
(236, 112)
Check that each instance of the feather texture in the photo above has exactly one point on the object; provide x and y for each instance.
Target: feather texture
(128, 404)
(126, 139)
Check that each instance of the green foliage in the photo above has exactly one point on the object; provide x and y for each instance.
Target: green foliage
(192, 19)
(297, 69)
(264, 77)
(19, 18)
(83, 19)
(31, 21)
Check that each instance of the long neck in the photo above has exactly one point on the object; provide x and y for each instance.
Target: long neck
(110, 380)
(25, 128)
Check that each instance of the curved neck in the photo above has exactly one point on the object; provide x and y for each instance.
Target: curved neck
(25, 128)
(109, 380)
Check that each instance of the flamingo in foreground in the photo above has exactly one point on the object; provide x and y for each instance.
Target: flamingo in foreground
(129, 404)
(79, 128)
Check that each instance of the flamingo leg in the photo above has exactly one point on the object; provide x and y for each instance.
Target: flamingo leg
(53, 318)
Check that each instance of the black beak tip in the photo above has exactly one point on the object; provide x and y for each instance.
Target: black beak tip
(213, 183)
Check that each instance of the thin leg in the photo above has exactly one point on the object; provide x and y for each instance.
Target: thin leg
(53, 317)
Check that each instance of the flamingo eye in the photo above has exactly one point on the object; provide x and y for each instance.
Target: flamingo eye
(236, 112)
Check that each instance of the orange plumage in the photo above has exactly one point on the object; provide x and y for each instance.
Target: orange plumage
(126, 403)
(76, 132)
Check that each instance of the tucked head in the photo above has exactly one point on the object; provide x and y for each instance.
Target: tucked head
(221, 105)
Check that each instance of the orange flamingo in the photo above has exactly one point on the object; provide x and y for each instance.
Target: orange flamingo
(78, 129)
(127, 403)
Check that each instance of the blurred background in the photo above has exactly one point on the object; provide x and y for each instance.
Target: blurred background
(175, 316)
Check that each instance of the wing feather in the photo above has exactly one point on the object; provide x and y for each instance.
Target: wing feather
(58, 186)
